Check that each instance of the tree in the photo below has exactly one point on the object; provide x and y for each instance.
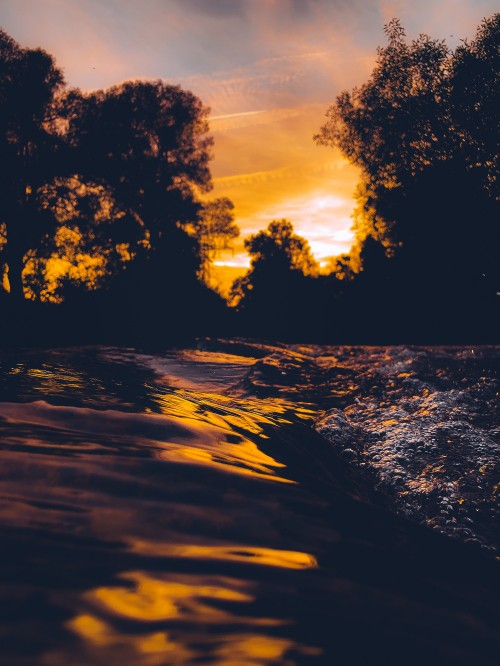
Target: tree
(119, 170)
(424, 131)
(146, 143)
(341, 267)
(214, 230)
(279, 244)
(272, 293)
(397, 122)
(92, 242)
(475, 101)
(30, 84)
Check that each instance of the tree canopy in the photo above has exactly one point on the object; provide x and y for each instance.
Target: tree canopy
(30, 148)
(96, 181)
(424, 130)
(214, 230)
(148, 142)
(272, 294)
(275, 252)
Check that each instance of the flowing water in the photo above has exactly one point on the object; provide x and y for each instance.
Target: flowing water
(181, 507)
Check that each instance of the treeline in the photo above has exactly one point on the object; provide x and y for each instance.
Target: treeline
(103, 230)
(425, 132)
(106, 233)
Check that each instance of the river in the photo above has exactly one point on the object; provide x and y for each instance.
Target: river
(236, 503)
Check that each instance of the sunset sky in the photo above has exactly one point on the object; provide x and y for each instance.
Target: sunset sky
(267, 68)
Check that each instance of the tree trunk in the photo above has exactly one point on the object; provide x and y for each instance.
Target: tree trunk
(15, 262)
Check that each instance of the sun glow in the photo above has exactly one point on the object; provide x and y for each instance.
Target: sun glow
(269, 166)
(324, 220)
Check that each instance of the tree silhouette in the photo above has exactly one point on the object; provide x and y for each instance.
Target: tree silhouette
(94, 182)
(272, 294)
(475, 102)
(275, 253)
(424, 131)
(30, 84)
(397, 122)
(92, 242)
(214, 231)
(146, 143)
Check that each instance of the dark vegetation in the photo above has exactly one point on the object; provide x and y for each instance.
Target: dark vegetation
(106, 235)
(425, 130)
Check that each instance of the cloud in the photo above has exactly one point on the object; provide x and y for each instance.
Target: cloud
(452, 20)
(179, 39)
(282, 82)
(267, 68)
(220, 9)
(261, 165)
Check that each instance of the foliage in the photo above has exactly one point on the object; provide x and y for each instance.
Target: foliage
(279, 244)
(278, 256)
(424, 129)
(30, 147)
(475, 102)
(146, 142)
(214, 230)
(93, 240)
(398, 122)
(95, 181)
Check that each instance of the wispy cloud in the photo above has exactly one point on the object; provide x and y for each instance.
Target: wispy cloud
(267, 68)
(235, 115)
(180, 39)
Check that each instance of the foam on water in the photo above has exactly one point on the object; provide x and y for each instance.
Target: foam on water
(422, 426)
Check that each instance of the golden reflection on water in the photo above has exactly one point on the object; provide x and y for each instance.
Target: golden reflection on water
(153, 599)
(244, 459)
(200, 602)
(185, 436)
(219, 441)
(103, 644)
(251, 650)
(285, 559)
(228, 412)
(50, 378)
(238, 418)
(215, 357)
(160, 648)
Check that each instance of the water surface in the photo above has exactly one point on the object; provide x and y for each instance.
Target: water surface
(179, 508)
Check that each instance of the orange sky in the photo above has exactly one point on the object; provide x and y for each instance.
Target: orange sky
(268, 164)
(267, 68)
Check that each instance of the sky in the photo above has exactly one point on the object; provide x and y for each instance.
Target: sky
(268, 69)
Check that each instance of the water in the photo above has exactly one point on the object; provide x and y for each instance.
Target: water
(180, 508)
(423, 426)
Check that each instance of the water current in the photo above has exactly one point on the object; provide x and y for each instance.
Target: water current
(237, 503)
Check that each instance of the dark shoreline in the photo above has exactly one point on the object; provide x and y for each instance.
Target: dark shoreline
(38, 325)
